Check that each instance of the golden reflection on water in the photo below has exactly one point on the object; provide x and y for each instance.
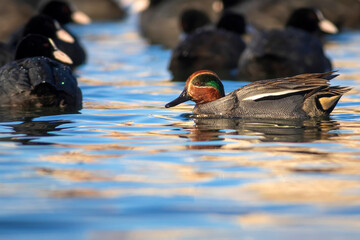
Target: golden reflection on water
(73, 174)
(144, 172)
(153, 234)
(247, 224)
(76, 157)
(308, 190)
(258, 219)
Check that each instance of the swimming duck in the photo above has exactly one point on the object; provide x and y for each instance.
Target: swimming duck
(311, 20)
(42, 25)
(233, 22)
(298, 97)
(191, 20)
(290, 51)
(38, 76)
(270, 14)
(64, 12)
(159, 21)
(49, 27)
(217, 49)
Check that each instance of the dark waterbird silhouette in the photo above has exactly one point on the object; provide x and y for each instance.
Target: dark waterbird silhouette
(293, 50)
(35, 78)
(217, 49)
(159, 23)
(49, 27)
(64, 12)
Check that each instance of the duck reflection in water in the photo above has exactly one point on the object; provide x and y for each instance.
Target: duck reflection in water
(29, 129)
(212, 133)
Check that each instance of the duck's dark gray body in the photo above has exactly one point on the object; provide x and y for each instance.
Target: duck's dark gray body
(232, 106)
(213, 49)
(38, 80)
(280, 53)
(301, 96)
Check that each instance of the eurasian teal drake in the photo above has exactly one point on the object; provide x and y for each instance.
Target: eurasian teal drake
(298, 97)
(293, 50)
(38, 77)
(217, 49)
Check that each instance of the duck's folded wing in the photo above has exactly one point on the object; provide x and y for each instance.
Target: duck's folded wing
(284, 86)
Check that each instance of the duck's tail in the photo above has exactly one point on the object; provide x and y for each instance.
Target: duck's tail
(328, 98)
(323, 101)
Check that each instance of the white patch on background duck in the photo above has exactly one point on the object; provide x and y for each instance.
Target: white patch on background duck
(326, 25)
(62, 34)
(80, 18)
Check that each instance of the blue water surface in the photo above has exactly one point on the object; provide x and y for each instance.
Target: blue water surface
(124, 167)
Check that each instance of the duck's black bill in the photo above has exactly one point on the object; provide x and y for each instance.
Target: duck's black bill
(183, 97)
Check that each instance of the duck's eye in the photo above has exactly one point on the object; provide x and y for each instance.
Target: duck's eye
(197, 83)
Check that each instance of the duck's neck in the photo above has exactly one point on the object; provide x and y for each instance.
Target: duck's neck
(207, 95)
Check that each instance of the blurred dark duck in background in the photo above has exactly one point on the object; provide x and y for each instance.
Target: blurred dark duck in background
(293, 50)
(49, 27)
(217, 49)
(35, 45)
(270, 14)
(159, 22)
(191, 20)
(64, 12)
(38, 77)
(97, 10)
(312, 21)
